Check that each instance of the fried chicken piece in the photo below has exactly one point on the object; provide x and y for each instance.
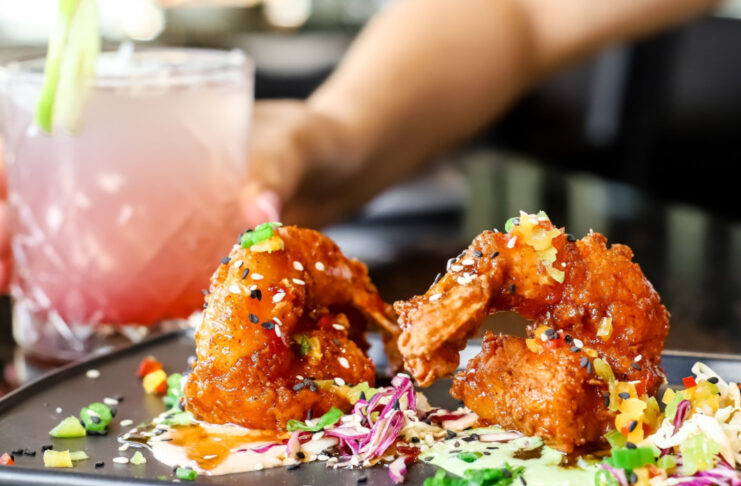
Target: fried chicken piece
(275, 323)
(578, 286)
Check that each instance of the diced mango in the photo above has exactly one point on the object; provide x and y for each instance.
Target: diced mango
(155, 382)
(274, 243)
(54, 458)
(633, 408)
(533, 345)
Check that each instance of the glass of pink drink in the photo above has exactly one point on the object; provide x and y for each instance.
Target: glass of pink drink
(120, 224)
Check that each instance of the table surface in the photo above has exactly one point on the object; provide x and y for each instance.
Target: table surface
(406, 236)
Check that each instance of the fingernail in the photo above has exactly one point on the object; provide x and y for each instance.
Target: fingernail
(261, 208)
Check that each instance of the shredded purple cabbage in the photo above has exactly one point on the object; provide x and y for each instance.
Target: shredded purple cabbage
(683, 411)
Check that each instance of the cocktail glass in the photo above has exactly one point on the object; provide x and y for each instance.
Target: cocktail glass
(119, 225)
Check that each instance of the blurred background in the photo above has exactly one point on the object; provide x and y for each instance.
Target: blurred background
(639, 143)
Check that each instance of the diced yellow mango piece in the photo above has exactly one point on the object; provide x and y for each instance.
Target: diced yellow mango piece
(633, 408)
(153, 382)
(533, 345)
(274, 243)
(643, 476)
(604, 329)
(668, 396)
(54, 458)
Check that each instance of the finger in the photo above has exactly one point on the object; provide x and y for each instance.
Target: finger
(260, 207)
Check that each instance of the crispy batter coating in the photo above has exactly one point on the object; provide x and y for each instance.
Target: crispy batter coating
(275, 319)
(498, 272)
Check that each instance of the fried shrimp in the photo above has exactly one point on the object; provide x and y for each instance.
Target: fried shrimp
(283, 315)
(585, 301)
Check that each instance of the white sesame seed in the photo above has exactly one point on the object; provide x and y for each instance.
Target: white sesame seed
(238, 264)
(258, 466)
(256, 276)
(110, 401)
(299, 378)
(253, 287)
(456, 268)
(468, 261)
(638, 358)
(543, 337)
(210, 456)
(298, 281)
(319, 266)
(512, 242)
(93, 374)
(354, 460)
(317, 435)
(235, 289)
(461, 280)
(435, 297)
(59, 409)
(127, 422)
(121, 460)
(298, 266)
(322, 457)
(277, 321)
(339, 327)
(312, 457)
(344, 362)
(277, 331)
(278, 297)
(124, 448)
(578, 343)
(339, 381)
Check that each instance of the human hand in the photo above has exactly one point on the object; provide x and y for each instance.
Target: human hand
(6, 262)
(298, 162)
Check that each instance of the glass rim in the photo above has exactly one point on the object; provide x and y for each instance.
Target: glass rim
(184, 66)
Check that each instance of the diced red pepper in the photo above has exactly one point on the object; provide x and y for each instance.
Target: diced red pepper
(148, 365)
(625, 431)
(689, 381)
(6, 460)
(641, 388)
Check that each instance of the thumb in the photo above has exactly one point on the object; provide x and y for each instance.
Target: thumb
(259, 205)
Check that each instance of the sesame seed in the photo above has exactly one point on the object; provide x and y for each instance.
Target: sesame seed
(714, 380)
(93, 374)
(29, 452)
(124, 447)
(59, 410)
(254, 319)
(574, 349)
(477, 253)
(630, 445)
(298, 281)
(494, 255)
(256, 276)
(635, 366)
(301, 455)
(339, 327)
(277, 321)
(468, 262)
(512, 242)
(633, 477)
(638, 358)
(456, 268)
(570, 238)
(607, 399)
(204, 292)
(110, 401)
(258, 466)
(624, 395)
(235, 289)
(278, 297)
(435, 297)
(277, 331)
(298, 387)
(268, 325)
(127, 422)
(46, 447)
(298, 266)
(319, 266)
(99, 464)
(339, 381)
(210, 456)
(583, 362)
(632, 426)
(550, 332)
(121, 460)
(245, 273)
(256, 294)
(238, 264)
(299, 377)
(226, 260)
(343, 362)
(578, 343)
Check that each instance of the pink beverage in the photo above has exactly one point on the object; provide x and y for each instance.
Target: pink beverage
(123, 222)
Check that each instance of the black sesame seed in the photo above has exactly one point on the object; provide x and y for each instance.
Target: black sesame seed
(456, 444)
(633, 477)
(574, 349)
(624, 395)
(512, 288)
(635, 366)
(427, 459)
(494, 255)
(475, 436)
(245, 272)
(308, 414)
(293, 467)
(583, 362)
(470, 438)
(568, 338)
(607, 400)
(630, 445)
(550, 332)
(414, 440)
(99, 464)
(451, 434)
(397, 405)
(522, 480)
(632, 425)
(226, 260)
(46, 447)
(713, 380)
(114, 411)
(97, 432)
(95, 419)
(492, 448)
(204, 291)
(364, 479)
(506, 473)
(254, 319)
(313, 387)
(362, 396)
(17, 452)
(300, 455)
(589, 368)
(205, 305)
(119, 398)
(29, 452)
(256, 294)
(477, 254)
(268, 325)
(570, 238)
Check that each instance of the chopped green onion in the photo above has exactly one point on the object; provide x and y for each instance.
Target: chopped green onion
(174, 391)
(74, 46)
(186, 473)
(603, 477)
(261, 233)
(625, 458)
(614, 437)
(304, 344)
(469, 456)
(96, 417)
(329, 418)
(68, 428)
(138, 459)
(667, 462)
(179, 419)
(504, 476)
(511, 223)
(361, 388)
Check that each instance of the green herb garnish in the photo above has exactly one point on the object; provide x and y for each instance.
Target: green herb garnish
(178, 419)
(68, 428)
(329, 418)
(629, 459)
(504, 476)
(186, 473)
(174, 391)
(96, 417)
(74, 46)
(614, 437)
(603, 477)
(261, 233)
(469, 456)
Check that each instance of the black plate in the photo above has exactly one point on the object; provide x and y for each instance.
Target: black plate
(27, 415)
